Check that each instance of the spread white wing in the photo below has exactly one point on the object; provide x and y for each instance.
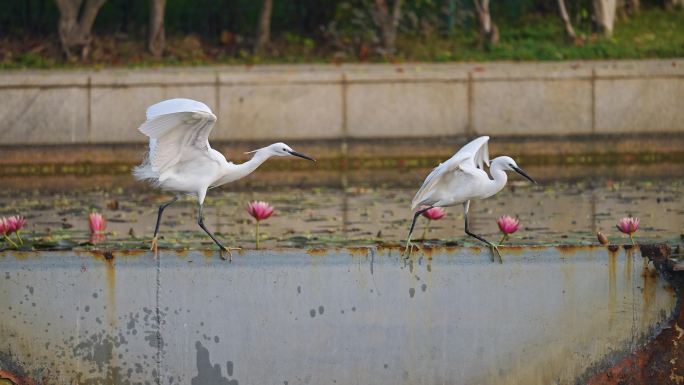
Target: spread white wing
(473, 155)
(177, 128)
(480, 148)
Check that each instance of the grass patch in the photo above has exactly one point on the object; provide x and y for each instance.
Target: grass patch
(654, 33)
(651, 34)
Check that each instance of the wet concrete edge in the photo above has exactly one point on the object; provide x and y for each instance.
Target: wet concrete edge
(661, 359)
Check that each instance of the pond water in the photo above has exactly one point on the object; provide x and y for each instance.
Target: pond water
(364, 208)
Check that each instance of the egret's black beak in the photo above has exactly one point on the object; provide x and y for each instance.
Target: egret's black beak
(523, 173)
(299, 154)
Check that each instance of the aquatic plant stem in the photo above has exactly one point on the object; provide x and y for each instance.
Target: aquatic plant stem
(10, 241)
(631, 238)
(21, 241)
(257, 235)
(427, 228)
(503, 238)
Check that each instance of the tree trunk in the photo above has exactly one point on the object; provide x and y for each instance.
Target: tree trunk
(489, 32)
(451, 17)
(387, 23)
(569, 30)
(604, 14)
(157, 38)
(634, 6)
(626, 8)
(671, 4)
(76, 20)
(264, 31)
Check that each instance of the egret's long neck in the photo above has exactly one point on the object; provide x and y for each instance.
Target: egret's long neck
(234, 172)
(500, 179)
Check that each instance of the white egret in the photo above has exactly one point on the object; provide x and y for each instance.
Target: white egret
(462, 179)
(181, 160)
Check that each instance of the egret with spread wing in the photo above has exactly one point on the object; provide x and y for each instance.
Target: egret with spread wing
(461, 179)
(180, 159)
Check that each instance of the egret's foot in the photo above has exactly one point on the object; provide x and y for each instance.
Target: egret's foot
(228, 250)
(154, 244)
(409, 249)
(495, 251)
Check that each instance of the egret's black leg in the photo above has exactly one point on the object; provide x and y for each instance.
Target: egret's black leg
(159, 216)
(467, 230)
(495, 248)
(200, 222)
(413, 224)
(161, 211)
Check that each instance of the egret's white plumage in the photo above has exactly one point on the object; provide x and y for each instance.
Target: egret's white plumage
(179, 135)
(180, 158)
(461, 179)
(460, 172)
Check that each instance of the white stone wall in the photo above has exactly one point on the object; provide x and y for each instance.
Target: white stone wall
(351, 101)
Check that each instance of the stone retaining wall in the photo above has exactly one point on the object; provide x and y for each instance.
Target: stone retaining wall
(302, 102)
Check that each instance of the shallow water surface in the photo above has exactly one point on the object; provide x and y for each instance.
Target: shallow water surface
(566, 211)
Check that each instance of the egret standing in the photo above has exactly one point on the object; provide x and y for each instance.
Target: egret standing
(180, 159)
(462, 179)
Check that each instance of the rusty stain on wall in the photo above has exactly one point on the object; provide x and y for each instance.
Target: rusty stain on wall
(661, 361)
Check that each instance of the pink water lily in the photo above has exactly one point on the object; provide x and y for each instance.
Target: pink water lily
(432, 214)
(259, 210)
(12, 225)
(16, 223)
(628, 225)
(507, 225)
(97, 223)
(5, 231)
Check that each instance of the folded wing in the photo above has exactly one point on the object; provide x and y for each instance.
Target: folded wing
(476, 153)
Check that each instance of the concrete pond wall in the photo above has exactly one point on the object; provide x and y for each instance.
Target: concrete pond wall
(305, 102)
(339, 316)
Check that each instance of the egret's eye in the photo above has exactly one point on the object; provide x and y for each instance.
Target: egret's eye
(284, 149)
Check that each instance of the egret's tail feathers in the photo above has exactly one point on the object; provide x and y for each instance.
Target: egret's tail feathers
(144, 172)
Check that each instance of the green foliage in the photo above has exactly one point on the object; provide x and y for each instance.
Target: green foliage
(653, 33)
(222, 31)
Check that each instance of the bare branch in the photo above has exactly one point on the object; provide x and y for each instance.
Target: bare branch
(92, 7)
(74, 29)
(569, 30)
(387, 23)
(604, 15)
(396, 13)
(488, 30)
(156, 39)
(264, 30)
